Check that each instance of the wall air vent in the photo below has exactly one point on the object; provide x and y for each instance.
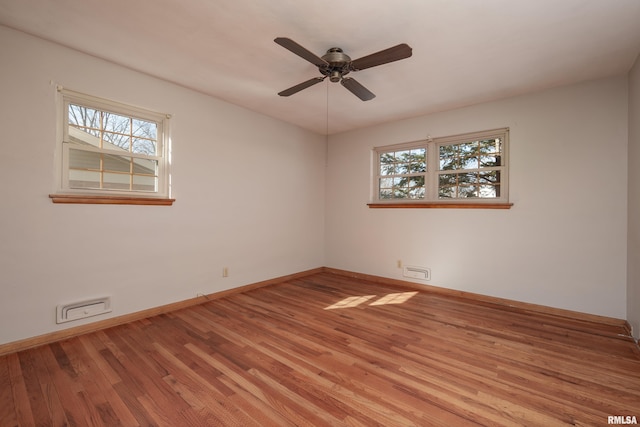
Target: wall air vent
(82, 309)
(421, 273)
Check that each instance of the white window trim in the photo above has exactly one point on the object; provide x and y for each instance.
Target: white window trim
(65, 97)
(431, 182)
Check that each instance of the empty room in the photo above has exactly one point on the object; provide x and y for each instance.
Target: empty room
(301, 213)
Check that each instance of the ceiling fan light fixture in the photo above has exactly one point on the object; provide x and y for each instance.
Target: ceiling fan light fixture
(335, 76)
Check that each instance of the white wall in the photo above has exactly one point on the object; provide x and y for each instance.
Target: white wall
(249, 190)
(563, 244)
(633, 270)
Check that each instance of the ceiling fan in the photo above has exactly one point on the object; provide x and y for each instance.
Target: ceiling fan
(336, 64)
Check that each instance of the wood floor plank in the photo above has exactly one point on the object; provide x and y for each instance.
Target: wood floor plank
(98, 380)
(261, 412)
(330, 350)
(19, 396)
(31, 369)
(68, 387)
(7, 402)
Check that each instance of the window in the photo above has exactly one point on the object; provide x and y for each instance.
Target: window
(464, 169)
(112, 150)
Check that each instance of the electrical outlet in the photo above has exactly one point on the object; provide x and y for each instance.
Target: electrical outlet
(399, 263)
(225, 271)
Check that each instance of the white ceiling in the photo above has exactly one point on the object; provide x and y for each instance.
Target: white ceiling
(464, 51)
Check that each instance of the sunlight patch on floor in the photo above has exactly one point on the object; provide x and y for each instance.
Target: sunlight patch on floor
(398, 298)
(349, 302)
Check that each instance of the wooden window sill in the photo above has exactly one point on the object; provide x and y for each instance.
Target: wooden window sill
(109, 200)
(440, 205)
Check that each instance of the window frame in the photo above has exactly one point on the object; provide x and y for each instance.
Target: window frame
(65, 193)
(432, 172)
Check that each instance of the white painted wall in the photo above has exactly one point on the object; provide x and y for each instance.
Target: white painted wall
(633, 270)
(563, 244)
(249, 190)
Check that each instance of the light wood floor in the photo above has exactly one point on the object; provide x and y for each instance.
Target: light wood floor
(309, 352)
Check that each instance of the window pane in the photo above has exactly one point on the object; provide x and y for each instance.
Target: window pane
(448, 151)
(490, 146)
(144, 129)
(385, 194)
(417, 193)
(402, 156)
(399, 169)
(449, 157)
(79, 136)
(116, 163)
(467, 191)
(419, 167)
(416, 181)
(418, 159)
(490, 161)
(387, 166)
(145, 166)
(117, 131)
(399, 194)
(447, 179)
(468, 148)
(447, 164)
(82, 136)
(81, 159)
(402, 168)
(84, 125)
(116, 123)
(469, 163)
(446, 192)
(83, 117)
(458, 185)
(489, 177)
(116, 181)
(403, 162)
(115, 140)
(386, 183)
(84, 179)
(144, 146)
(468, 178)
(144, 183)
(489, 191)
(471, 155)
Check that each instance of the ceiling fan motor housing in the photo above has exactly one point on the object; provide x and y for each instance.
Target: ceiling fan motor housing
(338, 64)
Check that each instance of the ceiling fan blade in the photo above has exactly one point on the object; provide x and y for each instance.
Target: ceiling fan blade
(300, 51)
(391, 54)
(357, 89)
(297, 88)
